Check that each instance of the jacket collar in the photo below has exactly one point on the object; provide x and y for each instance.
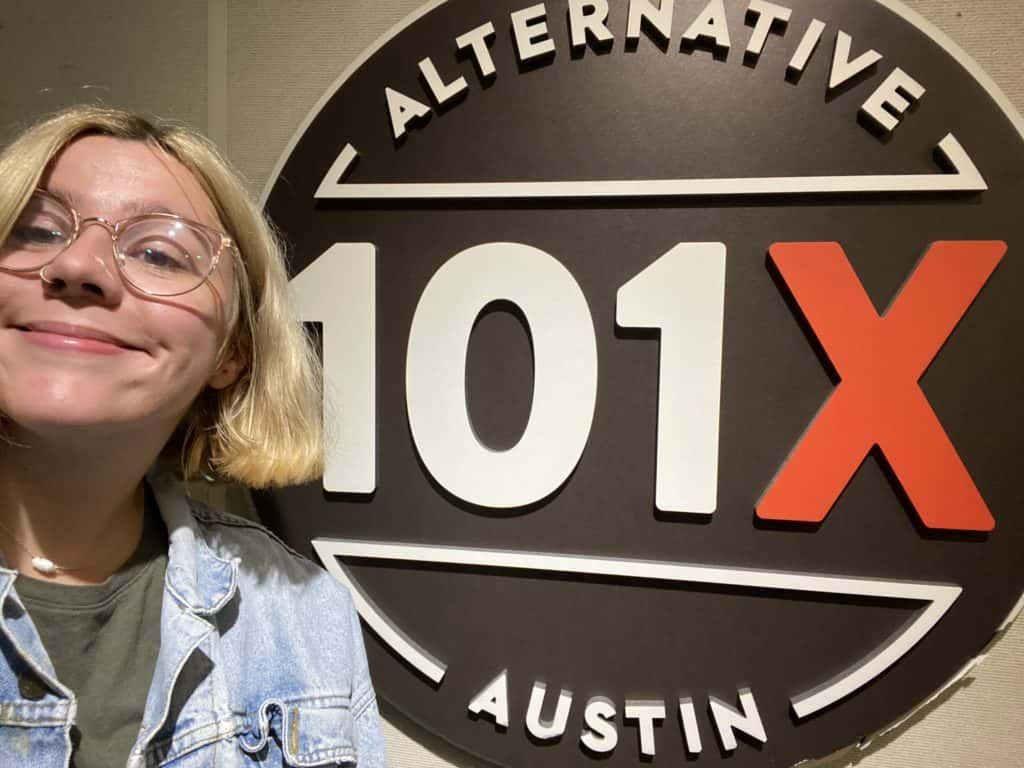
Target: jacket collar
(7, 577)
(198, 579)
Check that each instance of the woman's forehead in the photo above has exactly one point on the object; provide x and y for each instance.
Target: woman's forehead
(117, 178)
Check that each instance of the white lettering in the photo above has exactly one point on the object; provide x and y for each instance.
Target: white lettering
(546, 730)
(339, 289)
(530, 31)
(843, 70)
(645, 713)
(682, 294)
(599, 734)
(565, 374)
(493, 700)
(888, 103)
(476, 39)
(767, 15)
(659, 19)
(691, 734)
(710, 25)
(808, 44)
(588, 17)
(728, 720)
(441, 91)
(403, 111)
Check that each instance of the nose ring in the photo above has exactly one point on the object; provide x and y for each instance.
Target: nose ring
(43, 277)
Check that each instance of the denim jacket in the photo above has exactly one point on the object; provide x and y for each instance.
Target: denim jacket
(261, 660)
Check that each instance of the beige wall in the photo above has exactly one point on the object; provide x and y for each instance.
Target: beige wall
(248, 71)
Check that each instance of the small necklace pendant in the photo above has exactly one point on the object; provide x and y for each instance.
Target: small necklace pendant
(44, 565)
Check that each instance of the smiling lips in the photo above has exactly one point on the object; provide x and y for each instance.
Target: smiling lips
(78, 338)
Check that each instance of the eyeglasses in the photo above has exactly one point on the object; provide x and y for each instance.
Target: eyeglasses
(160, 254)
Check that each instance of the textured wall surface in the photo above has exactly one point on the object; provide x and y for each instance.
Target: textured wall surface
(273, 59)
(57, 53)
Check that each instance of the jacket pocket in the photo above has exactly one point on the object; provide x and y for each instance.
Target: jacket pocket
(312, 731)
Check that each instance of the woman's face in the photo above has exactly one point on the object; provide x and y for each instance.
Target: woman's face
(84, 349)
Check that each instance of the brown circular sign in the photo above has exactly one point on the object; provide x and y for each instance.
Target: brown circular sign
(671, 353)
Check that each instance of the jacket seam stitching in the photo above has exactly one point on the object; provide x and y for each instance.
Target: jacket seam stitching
(342, 751)
(363, 703)
(232, 725)
(207, 516)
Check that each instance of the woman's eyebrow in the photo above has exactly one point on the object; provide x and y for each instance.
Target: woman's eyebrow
(63, 195)
(140, 208)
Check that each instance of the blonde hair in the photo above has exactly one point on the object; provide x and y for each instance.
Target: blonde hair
(266, 429)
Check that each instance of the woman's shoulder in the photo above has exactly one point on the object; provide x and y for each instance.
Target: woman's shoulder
(282, 599)
(227, 530)
(268, 569)
(301, 624)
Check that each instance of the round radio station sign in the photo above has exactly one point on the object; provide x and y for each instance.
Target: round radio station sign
(672, 372)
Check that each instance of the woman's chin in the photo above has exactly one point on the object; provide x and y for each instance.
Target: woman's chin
(58, 425)
(49, 417)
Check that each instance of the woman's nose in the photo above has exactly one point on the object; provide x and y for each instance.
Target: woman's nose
(86, 268)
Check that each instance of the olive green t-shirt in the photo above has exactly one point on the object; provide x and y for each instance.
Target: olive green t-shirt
(103, 641)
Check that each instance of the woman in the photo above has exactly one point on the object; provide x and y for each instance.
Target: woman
(143, 316)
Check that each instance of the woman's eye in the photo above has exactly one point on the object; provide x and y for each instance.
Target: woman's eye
(157, 254)
(31, 234)
(160, 259)
(150, 247)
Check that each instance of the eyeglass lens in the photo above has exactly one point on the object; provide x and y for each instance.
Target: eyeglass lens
(157, 254)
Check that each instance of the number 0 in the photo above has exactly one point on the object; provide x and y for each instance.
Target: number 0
(565, 374)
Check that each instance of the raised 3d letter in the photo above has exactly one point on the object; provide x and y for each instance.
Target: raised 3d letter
(879, 360)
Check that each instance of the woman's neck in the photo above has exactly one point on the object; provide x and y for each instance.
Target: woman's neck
(80, 506)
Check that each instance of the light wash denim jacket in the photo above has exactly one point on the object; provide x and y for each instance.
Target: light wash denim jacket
(261, 660)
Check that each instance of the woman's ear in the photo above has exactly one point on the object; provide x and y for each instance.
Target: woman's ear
(229, 368)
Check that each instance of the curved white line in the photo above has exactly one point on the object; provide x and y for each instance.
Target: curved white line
(938, 597)
(965, 178)
(870, 667)
(429, 666)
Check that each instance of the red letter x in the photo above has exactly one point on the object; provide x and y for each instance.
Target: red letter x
(878, 401)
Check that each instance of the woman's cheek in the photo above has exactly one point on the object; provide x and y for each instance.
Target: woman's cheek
(29, 396)
(189, 341)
